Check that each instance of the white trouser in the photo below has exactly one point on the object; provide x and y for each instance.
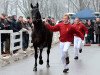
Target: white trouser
(77, 44)
(64, 46)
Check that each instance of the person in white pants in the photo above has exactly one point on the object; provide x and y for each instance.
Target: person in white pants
(64, 46)
(78, 43)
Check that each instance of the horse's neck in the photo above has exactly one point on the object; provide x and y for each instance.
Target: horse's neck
(38, 25)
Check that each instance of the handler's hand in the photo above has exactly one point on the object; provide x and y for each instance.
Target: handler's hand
(46, 22)
(85, 35)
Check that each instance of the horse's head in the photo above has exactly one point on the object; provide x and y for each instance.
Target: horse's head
(35, 12)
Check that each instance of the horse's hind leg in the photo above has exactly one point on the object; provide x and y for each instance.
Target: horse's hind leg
(48, 52)
(36, 56)
(40, 57)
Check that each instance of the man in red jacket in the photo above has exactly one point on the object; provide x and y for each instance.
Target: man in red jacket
(66, 37)
(78, 25)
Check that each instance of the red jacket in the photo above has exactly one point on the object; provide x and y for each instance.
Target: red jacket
(66, 31)
(81, 27)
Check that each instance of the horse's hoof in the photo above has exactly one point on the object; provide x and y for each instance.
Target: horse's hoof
(35, 69)
(48, 66)
(40, 62)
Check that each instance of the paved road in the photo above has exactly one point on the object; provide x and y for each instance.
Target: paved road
(88, 64)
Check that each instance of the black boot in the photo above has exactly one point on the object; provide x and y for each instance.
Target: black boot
(67, 60)
(76, 58)
(80, 50)
(65, 70)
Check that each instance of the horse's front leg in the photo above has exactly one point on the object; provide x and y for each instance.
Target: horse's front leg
(36, 56)
(48, 53)
(40, 57)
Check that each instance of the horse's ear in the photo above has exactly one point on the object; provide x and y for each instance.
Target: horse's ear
(31, 5)
(37, 5)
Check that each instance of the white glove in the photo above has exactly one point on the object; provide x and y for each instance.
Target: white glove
(85, 35)
(83, 42)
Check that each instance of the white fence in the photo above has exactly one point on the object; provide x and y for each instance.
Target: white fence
(13, 39)
(5, 31)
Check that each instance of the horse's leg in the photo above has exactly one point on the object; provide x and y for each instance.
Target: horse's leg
(48, 52)
(36, 56)
(40, 57)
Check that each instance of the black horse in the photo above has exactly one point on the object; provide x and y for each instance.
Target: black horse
(41, 36)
